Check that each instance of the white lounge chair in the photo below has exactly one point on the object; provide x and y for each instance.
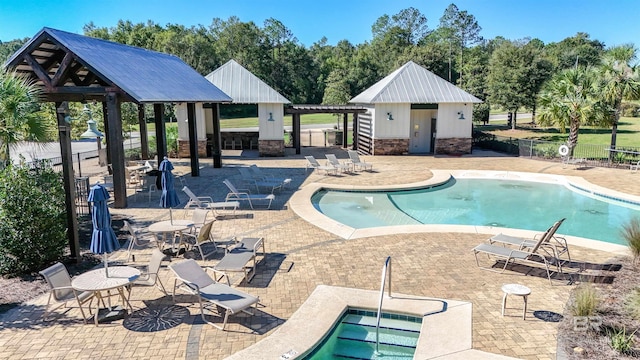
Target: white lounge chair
(548, 238)
(333, 161)
(61, 292)
(206, 202)
(258, 174)
(247, 178)
(314, 164)
(245, 195)
(191, 277)
(357, 163)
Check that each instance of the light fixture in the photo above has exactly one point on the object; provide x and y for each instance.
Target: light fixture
(461, 115)
(389, 116)
(92, 130)
(270, 117)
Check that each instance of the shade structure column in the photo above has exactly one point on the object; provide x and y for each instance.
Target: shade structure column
(193, 139)
(355, 131)
(144, 141)
(161, 137)
(345, 125)
(64, 134)
(105, 111)
(217, 137)
(296, 132)
(117, 150)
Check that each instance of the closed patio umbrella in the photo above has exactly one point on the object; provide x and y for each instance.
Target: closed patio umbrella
(103, 239)
(169, 197)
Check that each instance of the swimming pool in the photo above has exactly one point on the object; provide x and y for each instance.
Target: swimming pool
(503, 203)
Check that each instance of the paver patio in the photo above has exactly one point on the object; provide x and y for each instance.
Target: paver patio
(302, 256)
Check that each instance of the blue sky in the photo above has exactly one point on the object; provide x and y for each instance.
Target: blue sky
(613, 22)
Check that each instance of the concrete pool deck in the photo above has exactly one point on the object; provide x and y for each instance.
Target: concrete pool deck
(301, 256)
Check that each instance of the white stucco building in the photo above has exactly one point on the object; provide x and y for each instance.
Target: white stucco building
(413, 110)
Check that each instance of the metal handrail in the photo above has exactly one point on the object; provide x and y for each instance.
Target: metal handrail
(387, 265)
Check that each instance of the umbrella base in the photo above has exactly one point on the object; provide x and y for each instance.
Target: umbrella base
(171, 252)
(110, 314)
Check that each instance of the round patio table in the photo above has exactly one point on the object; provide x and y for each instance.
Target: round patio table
(171, 227)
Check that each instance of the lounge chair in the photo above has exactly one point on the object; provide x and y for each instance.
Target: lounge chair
(191, 277)
(205, 235)
(530, 255)
(314, 164)
(333, 161)
(258, 174)
(245, 195)
(548, 237)
(239, 256)
(61, 292)
(634, 167)
(357, 163)
(248, 178)
(149, 276)
(206, 202)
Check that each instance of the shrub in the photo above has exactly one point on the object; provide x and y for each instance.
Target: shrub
(586, 301)
(631, 233)
(32, 219)
(630, 109)
(547, 151)
(620, 341)
(632, 304)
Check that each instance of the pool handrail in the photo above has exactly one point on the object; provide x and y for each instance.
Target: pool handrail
(385, 267)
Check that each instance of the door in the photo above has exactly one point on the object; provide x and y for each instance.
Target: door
(420, 136)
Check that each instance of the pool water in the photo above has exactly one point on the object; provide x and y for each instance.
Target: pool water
(482, 202)
(354, 337)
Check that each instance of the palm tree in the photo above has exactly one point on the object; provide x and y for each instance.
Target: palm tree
(19, 120)
(570, 98)
(620, 81)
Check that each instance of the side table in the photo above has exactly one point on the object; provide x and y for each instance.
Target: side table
(518, 290)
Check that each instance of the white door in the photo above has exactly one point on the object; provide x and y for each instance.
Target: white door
(420, 138)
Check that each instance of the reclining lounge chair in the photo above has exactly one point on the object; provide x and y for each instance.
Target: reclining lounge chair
(548, 238)
(237, 195)
(313, 163)
(357, 163)
(191, 277)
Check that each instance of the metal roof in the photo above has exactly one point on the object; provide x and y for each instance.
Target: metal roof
(412, 83)
(145, 75)
(243, 86)
(324, 109)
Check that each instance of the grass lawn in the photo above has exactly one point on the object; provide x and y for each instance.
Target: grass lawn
(628, 132)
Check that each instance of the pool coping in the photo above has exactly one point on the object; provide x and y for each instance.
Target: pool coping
(448, 329)
(300, 203)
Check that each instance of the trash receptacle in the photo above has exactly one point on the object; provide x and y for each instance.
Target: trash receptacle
(338, 139)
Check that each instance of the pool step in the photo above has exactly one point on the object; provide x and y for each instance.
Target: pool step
(391, 337)
(370, 321)
(353, 349)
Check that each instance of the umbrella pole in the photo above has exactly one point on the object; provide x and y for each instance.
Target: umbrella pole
(106, 266)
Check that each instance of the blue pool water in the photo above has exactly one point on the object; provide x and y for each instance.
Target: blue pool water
(354, 337)
(502, 203)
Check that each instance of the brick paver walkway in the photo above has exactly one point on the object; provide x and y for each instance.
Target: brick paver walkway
(301, 256)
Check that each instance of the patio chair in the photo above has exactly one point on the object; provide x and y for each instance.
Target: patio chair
(61, 292)
(258, 174)
(196, 201)
(357, 163)
(205, 235)
(248, 178)
(548, 237)
(135, 238)
(191, 277)
(245, 195)
(634, 167)
(314, 164)
(528, 255)
(149, 276)
(333, 161)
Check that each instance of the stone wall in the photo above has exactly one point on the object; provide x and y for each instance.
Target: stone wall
(390, 146)
(271, 147)
(453, 146)
(183, 148)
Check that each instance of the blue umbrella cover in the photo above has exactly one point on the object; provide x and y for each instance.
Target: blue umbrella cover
(169, 197)
(103, 239)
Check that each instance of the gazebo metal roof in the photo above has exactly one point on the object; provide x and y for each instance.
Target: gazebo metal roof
(92, 66)
(243, 86)
(412, 83)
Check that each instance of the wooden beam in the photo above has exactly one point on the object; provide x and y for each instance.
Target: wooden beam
(64, 134)
(161, 139)
(355, 131)
(105, 119)
(296, 132)
(216, 149)
(193, 139)
(345, 125)
(117, 150)
(144, 142)
(38, 70)
(95, 90)
(63, 70)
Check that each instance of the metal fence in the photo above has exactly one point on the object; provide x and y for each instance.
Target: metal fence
(593, 155)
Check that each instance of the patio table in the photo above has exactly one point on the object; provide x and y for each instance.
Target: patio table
(171, 227)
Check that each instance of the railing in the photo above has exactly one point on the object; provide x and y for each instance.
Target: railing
(387, 266)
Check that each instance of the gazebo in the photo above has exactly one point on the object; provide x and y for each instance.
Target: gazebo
(71, 67)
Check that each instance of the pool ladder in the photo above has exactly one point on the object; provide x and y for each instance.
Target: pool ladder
(386, 269)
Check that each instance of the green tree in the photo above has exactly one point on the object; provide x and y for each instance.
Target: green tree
(461, 29)
(620, 80)
(578, 49)
(19, 112)
(571, 99)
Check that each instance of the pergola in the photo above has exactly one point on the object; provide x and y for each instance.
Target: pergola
(345, 110)
(71, 67)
